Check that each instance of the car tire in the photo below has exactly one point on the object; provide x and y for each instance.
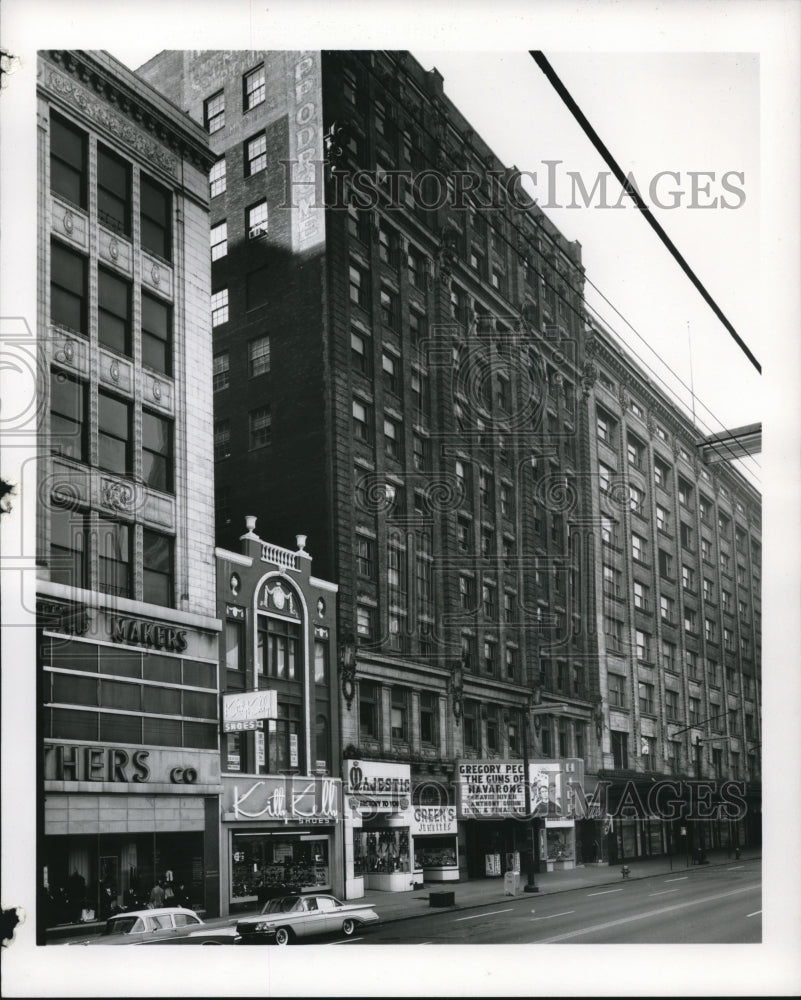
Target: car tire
(206, 943)
(349, 927)
(283, 935)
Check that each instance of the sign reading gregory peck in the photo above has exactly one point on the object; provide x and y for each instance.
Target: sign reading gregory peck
(490, 789)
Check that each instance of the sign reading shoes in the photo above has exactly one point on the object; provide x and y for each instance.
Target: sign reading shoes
(241, 711)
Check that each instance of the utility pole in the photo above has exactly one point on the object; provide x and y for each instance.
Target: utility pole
(532, 854)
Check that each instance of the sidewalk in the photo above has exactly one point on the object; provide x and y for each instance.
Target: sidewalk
(392, 906)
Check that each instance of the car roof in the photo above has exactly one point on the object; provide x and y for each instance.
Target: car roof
(154, 912)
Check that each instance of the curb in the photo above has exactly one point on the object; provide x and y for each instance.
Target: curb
(543, 892)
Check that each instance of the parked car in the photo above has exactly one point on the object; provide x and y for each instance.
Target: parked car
(165, 925)
(288, 917)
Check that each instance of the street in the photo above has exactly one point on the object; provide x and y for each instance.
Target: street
(716, 905)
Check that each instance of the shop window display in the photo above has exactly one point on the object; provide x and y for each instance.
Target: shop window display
(435, 852)
(260, 862)
(381, 851)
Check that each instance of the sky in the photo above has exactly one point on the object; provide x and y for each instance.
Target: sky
(685, 86)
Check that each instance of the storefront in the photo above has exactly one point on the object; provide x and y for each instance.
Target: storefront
(279, 831)
(378, 822)
(131, 766)
(436, 844)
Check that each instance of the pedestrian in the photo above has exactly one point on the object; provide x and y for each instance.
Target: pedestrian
(156, 896)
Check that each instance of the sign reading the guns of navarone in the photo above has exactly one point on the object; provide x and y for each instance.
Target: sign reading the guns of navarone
(490, 789)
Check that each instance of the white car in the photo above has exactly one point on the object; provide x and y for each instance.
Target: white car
(288, 917)
(165, 925)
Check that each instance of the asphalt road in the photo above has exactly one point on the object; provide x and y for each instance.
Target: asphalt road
(699, 906)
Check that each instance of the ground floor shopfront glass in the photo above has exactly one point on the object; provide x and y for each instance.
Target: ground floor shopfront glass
(266, 859)
(89, 877)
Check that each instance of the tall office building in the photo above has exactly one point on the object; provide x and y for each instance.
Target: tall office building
(678, 567)
(127, 618)
(395, 374)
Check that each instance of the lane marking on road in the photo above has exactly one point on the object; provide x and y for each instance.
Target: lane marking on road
(550, 916)
(735, 869)
(329, 944)
(487, 913)
(754, 914)
(642, 916)
(662, 892)
(603, 892)
(681, 878)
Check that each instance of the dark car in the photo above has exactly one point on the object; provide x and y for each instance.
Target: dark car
(288, 917)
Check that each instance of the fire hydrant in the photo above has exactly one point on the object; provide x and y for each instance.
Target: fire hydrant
(625, 871)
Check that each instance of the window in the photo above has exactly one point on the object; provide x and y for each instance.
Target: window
(253, 87)
(114, 557)
(360, 352)
(608, 532)
(67, 547)
(114, 434)
(155, 210)
(365, 557)
(489, 597)
(713, 673)
(222, 439)
(695, 711)
(646, 694)
(661, 473)
(620, 750)
(728, 639)
(636, 499)
(157, 553)
(493, 734)
(157, 452)
(400, 713)
(709, 590)
(157, 334)
(617, 690)
(68, 417)
(709, 630)
(114, 312)
(458, 304)
(255, 154)
(257, 220)
(661, 433)
(467, 598)
(691, 662)
(638, 547)
(358, 286)
(705, 509)
(486, 489)
(471, 728)
(218, 237)
(667, 608)
(67, 161)
(688, 578)
(613, 629)
(221, 376)
(113, 191)
(506, 500)
(665, 565)
(511, 662)
(214, 112)
(388, 245)
(320, 662)
(640, 595)
(350, 86)
(686, 535)
(690, 620)
(668, 655)
(365, 622)
(68, 293)
(219, 307)
(260, 427)
(396, 572)
(611, 581)
(642, 642)
(671, 706)
(464, 480)
(416, 268)
(256, 285)
(362, 421)
(217, 178)
(685, 493)
(464, 534)
(280, 641)
(389, 368)
(421, 453)
(605, 426)
(235, 645)
(259, 356)
(605, 475)
(662, 519)
(417, 325)
(635, 452)
(429, 718)
(390, 309)
(725, 563)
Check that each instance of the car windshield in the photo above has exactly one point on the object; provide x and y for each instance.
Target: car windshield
(124, 925)
(283, 904)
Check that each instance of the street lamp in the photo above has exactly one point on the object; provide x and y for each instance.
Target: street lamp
(531, 854)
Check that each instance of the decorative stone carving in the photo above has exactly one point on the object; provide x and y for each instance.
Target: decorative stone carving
(589, 376)
(116, 495)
